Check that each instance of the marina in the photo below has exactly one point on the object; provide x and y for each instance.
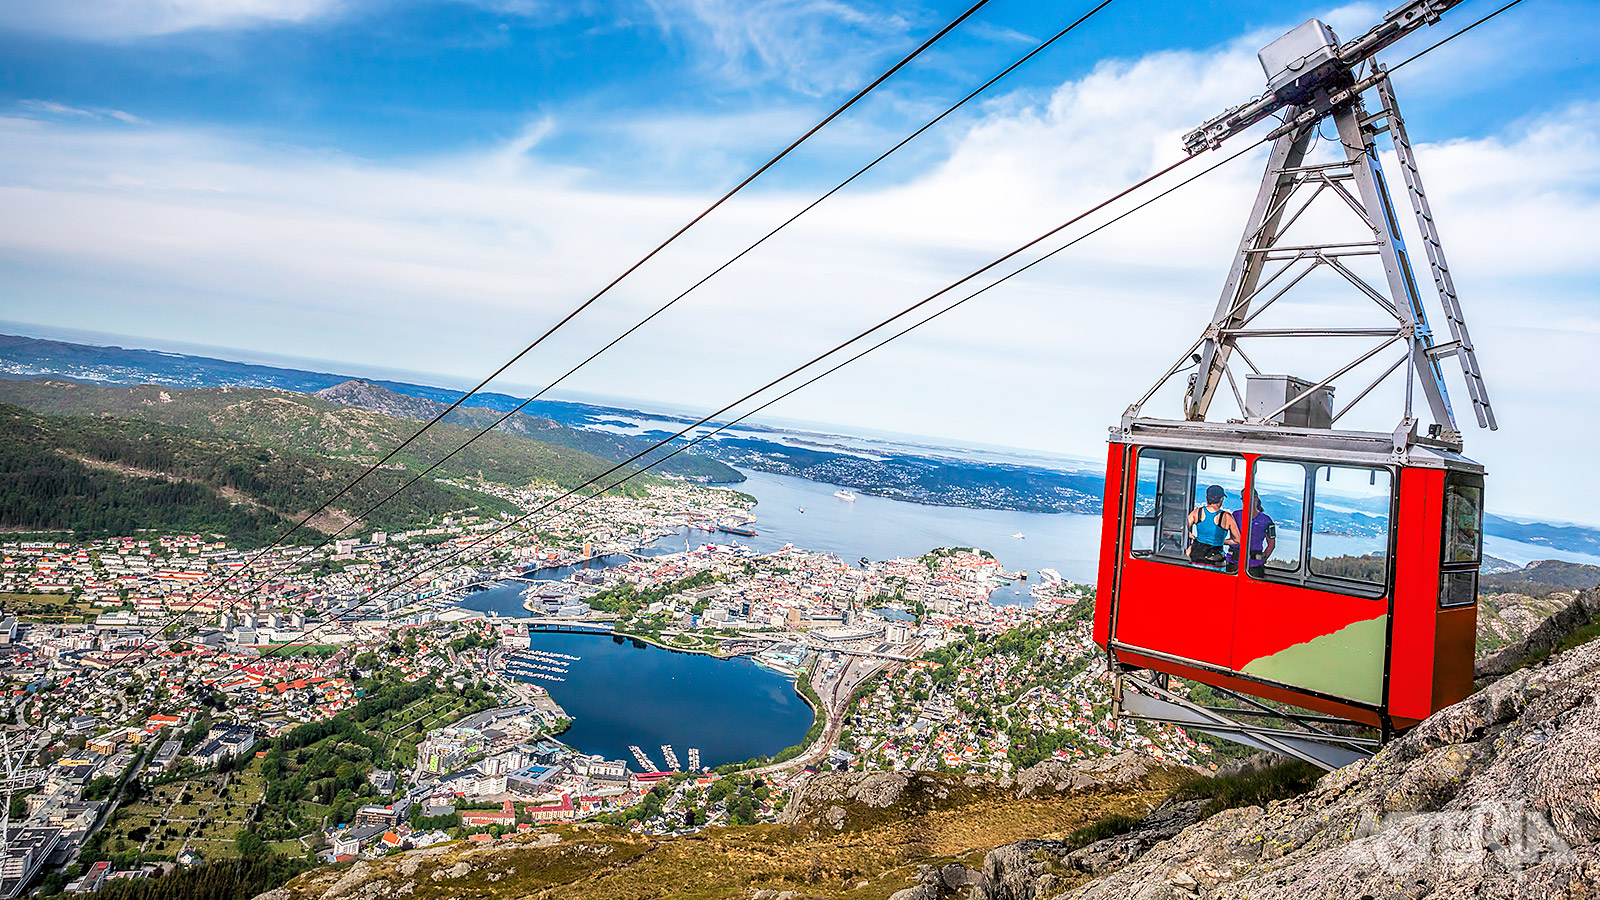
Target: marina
(645, 765)
(622, 697)
(670, 757)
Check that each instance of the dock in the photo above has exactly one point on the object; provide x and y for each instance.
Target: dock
(644, 761)
(694, 759)
(670, 757)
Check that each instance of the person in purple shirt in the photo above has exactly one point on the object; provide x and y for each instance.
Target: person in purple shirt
(1261, 535)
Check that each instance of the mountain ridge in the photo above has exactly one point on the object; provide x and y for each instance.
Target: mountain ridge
(305, 423)
(102, 477)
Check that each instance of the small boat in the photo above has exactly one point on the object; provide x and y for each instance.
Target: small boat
(802, 509)
(845, 494)
(1019, 535)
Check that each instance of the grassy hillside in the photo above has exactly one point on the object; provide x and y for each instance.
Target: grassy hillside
(307, 424)
(104, 476)
(875, 851)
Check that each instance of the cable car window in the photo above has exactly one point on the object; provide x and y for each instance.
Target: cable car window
(1458, 588)
(1172, 485)
(1144, 504)
(1273, 529)
(1463, 518)
(1350, 524)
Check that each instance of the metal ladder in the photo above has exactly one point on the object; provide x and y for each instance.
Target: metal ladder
(1461, 347)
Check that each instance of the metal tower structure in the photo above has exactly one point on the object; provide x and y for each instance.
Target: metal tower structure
(1346, 203)
(1314, 79)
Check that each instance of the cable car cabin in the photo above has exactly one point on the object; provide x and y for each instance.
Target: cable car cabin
(1352, 590)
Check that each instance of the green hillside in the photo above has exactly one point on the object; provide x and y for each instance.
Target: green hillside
(304, 423)
(104, 476)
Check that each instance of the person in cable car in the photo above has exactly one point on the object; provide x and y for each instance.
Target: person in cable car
(1214, 529)
(1262, 533)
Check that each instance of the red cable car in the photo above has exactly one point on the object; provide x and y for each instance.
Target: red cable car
(1271, 556)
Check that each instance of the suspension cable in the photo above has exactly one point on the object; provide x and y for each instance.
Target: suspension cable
(330, 538)
(863, 92)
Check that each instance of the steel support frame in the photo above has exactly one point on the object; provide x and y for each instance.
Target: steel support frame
(1397, 296)
(1137, 699)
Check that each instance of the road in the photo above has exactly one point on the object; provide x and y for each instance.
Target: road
(834, 693)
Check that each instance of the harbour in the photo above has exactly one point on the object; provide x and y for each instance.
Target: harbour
(624, 696)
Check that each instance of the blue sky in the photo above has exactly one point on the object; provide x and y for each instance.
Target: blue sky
(426, 185)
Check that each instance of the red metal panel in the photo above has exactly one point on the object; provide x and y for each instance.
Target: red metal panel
(1274, 617)
(1455, 642)
(1182, 610)
(1110, 506)
(1416, 592)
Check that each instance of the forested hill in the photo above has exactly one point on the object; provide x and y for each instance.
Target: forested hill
(98, 477)
(305, 423)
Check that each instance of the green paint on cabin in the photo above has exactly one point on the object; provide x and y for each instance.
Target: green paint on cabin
(1347, 663)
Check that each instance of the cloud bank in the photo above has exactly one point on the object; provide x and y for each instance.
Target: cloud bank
(445, 264)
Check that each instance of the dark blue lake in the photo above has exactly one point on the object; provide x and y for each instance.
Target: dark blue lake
(620, 694)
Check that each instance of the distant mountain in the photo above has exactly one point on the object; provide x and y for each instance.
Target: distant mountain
(305, 423)
(28, 357)
(1572, 538)
(97, 477)
(1542, 578)
(923, 477)
(550, 421)
(377, 398)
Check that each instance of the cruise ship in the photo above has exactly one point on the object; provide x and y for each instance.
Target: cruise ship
(845, 494)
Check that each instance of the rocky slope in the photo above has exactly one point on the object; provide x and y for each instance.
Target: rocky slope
(1513, 602)
(1495, 797)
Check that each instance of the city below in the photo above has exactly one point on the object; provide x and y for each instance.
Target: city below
(181, 687)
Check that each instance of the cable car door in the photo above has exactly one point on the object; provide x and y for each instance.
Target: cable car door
(1175, 597)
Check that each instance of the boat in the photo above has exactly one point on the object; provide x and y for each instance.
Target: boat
(802, 509)
(845, 494)
(734, 529)
(1019, 535)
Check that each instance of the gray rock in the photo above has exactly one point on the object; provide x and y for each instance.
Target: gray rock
(1497, 796)
(1059, 776)
(1545, 636)
(1026, 870)
(1115, 852)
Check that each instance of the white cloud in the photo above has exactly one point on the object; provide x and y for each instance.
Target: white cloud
(124, 19)
(813, 46)
(451, 264)
(52, 109)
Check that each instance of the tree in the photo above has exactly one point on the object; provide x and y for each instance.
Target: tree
(249, 844)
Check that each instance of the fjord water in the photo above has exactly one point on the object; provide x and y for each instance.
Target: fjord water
(880, 528)
(620, 693)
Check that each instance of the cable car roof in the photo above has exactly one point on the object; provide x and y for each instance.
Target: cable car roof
(1370, 448)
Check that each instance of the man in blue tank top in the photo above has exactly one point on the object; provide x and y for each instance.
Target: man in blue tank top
(1214, 528)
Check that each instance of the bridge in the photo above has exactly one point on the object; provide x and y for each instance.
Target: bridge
(559, 626)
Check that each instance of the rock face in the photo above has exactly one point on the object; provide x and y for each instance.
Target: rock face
(840, 801)
(1495, 797)
(1542, 637)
